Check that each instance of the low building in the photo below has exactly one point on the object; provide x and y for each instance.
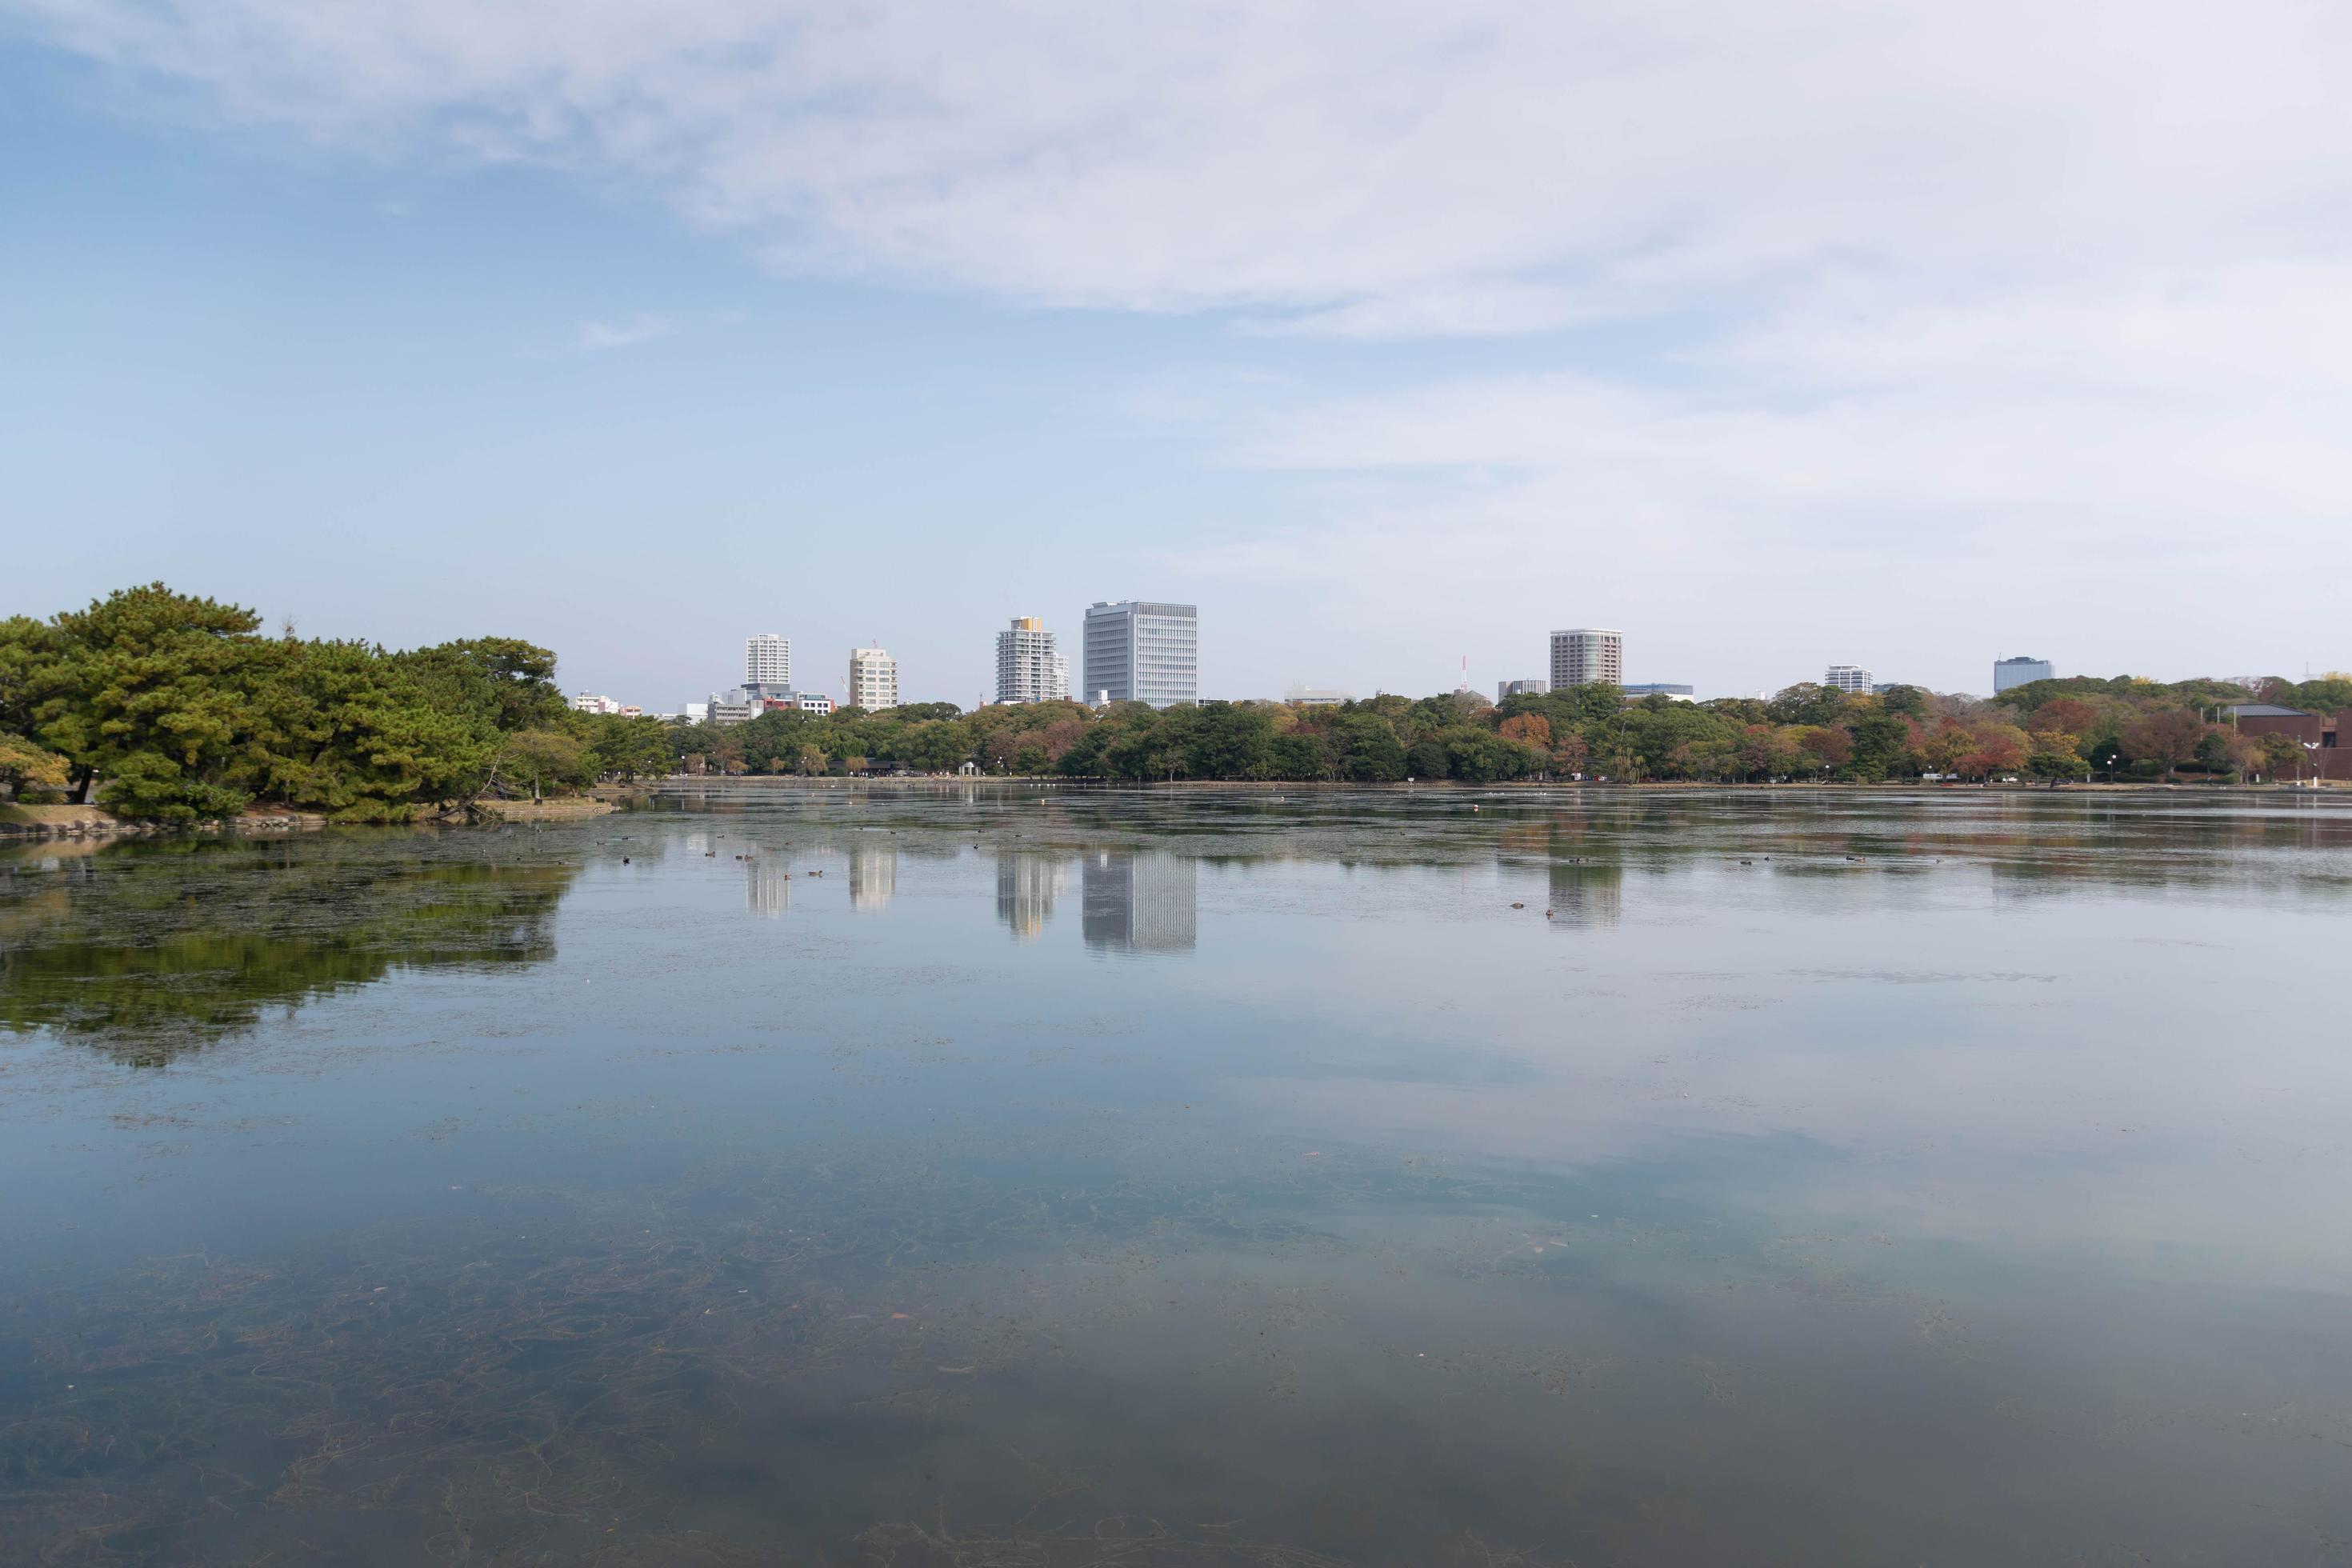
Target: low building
(2316, 733)
(1317, 697)
(1680, 693)
(1847, 677)
(590, 702)
(812, 702)
(1507, 690)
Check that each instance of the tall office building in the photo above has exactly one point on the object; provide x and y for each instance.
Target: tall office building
(873, 679)
(2019, 671)
(768, 663)
(1028, 669)
(1847, 678)
(1139, 651)
(1586, 656)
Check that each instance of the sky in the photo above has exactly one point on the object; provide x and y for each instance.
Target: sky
(1775, 332)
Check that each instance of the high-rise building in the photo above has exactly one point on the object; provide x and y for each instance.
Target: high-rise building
(768, 662)
(1028, 669)
(1139, 651)
(2019, 671)
(873, 679)
(1507, 690)
(1847, 678)
(1588, 655)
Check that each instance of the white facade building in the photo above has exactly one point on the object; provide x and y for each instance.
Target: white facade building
(1142, 651)
(1586, 656)
(1028, 667)
(768, 661)
(589, 702)
(873, 679)
(1847, 678)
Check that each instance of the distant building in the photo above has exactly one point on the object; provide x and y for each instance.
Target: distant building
(1586, 656)
(1847, 677)
(812, 702)
(1663, 688)
(873, 679)
(2317, 733)
(768, 661)
(1317, 697)
(696, 712)
(2020, 671)
(733, 707)
(1142, 651)
(1507, 690)
(1028, 667)
(589, 702)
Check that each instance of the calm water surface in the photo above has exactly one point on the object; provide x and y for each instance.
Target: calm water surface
(1033, 1177)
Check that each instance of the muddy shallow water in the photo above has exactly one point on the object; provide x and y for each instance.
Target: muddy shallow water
(1036, 1177)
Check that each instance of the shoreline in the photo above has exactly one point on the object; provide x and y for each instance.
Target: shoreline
(43, 824)
(37, 824)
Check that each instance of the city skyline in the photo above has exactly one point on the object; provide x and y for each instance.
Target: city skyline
(305, 311)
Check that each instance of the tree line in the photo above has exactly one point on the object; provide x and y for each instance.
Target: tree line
(162, 705)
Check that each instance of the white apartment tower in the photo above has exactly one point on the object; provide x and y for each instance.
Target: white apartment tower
(1028, 669)
(1847, 678)
(1586, 656)
(768, 661)
(873, 679)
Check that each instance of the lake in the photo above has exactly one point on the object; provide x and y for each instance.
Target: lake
(1025, 1177)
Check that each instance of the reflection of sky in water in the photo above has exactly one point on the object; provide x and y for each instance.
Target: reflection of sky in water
(1956, 1181)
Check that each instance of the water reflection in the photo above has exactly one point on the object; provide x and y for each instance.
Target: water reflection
(1027, 884)
(873, 872)
(1896, 1182)
(1140, 902)
(1586, 895)
(158, 947)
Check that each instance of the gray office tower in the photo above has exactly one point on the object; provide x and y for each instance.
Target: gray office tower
(2019, 671)
(1137, 651)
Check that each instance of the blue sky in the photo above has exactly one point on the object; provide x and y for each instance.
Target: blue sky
(1777, 335)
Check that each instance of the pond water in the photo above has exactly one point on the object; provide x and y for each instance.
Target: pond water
(1029, 1177)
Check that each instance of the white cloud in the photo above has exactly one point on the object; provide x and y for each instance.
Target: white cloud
(1378, 156)
(628, 334)
(2019, 297)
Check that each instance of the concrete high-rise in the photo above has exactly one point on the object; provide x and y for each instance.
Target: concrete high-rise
(768, 663)
(1141, 652)
(1028, 669)
(2019, 671)
(1847, 677)
(1586, 656)
(873, 679)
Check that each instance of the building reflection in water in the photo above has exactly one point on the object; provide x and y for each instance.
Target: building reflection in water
(1586, 895)
(873, 872)
(1026, 885)
(1146, 903)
